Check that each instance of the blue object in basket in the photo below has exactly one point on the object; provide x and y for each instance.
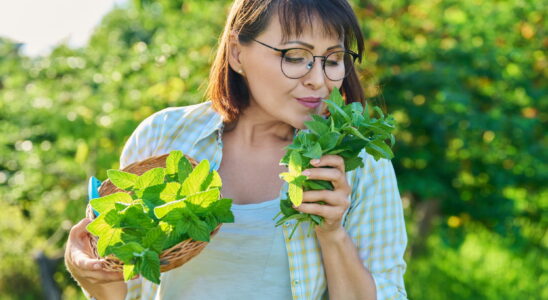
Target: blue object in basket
(93, 190)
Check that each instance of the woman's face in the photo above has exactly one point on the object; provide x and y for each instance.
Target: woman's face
(273, 95)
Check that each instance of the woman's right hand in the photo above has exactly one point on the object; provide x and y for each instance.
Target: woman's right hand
(88, 270)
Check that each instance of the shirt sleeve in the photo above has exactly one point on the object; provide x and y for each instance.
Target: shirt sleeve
(376, 225)
(142, 142)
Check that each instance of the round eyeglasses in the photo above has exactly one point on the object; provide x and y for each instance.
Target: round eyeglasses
(297, 62)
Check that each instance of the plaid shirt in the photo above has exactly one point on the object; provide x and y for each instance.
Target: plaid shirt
(374, 220)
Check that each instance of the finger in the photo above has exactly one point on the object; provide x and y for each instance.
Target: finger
(337, 177)
(325, 211)
(84, 261)
(329, 197)
(103, 276)
(82, 224)
(330, 160)
(79, 230)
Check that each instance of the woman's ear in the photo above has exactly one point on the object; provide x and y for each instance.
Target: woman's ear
(234, 53)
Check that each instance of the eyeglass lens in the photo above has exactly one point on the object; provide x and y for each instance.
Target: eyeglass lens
(296, 63)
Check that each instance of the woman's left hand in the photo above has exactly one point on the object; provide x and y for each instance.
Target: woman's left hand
(337, 201)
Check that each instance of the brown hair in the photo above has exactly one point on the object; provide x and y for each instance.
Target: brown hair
(227, 89)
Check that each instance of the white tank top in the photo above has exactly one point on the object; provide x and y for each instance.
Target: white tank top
(247, 259)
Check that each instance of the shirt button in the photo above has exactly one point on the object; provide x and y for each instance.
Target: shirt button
(296, 282)
(286, 224)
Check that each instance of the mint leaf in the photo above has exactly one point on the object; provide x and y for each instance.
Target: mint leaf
(194, 181)
(295, 163)
(127, 252)
(106, 203)
(336, 97)
(213, 180)
(295, 194)
(135, 217)
(163, 210)
(184, 169)
(199, 231)
(150, 267)
(329, 141)
(149, 178)
(314, 152)
(130, 271)
(200, 202)
(172, 162)
(121, 179)
(317, 127)
(221, 210)
(154, 239)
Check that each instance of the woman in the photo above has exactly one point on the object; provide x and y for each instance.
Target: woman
(276, 61)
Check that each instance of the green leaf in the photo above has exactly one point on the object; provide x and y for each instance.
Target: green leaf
(135, 217)
(319, 185)
(193, 182)
(314, 152)
(286, 176)
(110, 239)
(184, 169)
(336, 97)
(150, 268)
(316, 219)
(213, 180)
(221, 210)
(295, 194)
(355, 132)
(163, 210)
(200, 202)
(383, 148)
(154, 239)
(106, 203)
(199, 231)
(329, 141)
(286, 208)
(295, 163)
(127, 252)
(336, 111)
(353, 163)
(149, 178)
(130, 271)
(98, 226)
(211, 221)
(172, 162)
(170, 192)
(121, 179)
(317, 127)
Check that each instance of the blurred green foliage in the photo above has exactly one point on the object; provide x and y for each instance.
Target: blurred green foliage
(466, 81)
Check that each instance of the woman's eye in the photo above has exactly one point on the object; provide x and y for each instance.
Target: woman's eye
(331, 63)
(294, 59)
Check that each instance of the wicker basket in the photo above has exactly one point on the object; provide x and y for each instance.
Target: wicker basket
(170, 258)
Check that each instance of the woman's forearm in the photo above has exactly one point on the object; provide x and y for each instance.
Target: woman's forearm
(105, 291)
(347, 278)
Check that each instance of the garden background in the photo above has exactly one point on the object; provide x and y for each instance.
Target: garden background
(465, 79)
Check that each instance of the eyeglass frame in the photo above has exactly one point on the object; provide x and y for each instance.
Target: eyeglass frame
(324, 58)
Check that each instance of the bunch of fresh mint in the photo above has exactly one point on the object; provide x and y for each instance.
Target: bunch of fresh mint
(347, 131)
(164, 207)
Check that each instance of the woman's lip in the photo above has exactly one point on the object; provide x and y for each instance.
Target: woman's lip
(310, 104)
(310, 99)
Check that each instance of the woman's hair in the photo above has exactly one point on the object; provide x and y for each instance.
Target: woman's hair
(227, 89)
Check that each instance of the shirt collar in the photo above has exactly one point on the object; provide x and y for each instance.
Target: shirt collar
(214, 124)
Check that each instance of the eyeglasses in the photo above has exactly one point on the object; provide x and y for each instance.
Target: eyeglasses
(297, 62)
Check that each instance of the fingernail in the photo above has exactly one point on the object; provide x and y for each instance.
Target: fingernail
(315, 161)
(96, 266)
(306, 173)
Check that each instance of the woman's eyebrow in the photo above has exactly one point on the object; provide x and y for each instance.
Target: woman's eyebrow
(312, 47)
